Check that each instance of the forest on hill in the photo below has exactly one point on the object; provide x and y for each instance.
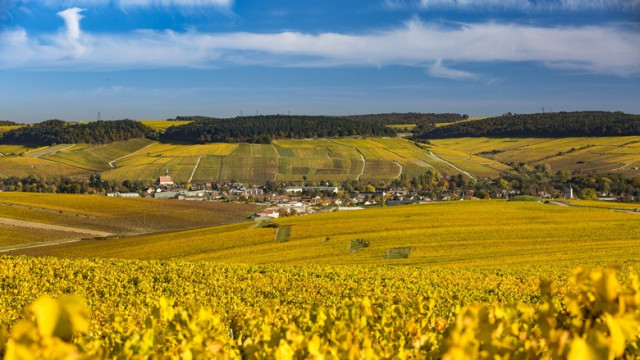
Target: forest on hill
(262, 129)
(7, 123)
(410, 118)
(53, 132)
(557, 125)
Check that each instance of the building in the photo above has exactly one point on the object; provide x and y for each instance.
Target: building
(127, 195)
(165, 180)
(268, 213)
(299, 189)
(568, 193)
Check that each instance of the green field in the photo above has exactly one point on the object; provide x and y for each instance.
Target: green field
(370, 160)
(476, 234)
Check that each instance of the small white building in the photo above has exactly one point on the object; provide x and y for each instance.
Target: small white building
(568, 193)
(126, 195)
(270, 213)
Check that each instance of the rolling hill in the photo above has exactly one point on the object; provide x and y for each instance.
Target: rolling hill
(469, 234)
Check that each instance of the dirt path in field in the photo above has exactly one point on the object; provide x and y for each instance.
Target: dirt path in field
(41, 226)
(622, 167)
(450, 164)
(559, 203)
(194, 169)
(35, 245)
(364, 163)
(122, 157)
(401, 168)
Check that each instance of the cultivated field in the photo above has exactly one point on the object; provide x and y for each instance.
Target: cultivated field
(469, 234)
(121, 216)
(487, 277)
(601, 154)
(369, 160)
(162, 124)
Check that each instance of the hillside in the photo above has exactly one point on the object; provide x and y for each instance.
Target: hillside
(53, 132)
(24, 216)
(469, 234)
(599, 154)
(369, 160)
(552, 125)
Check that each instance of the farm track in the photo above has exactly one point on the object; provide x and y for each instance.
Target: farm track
(35, 245)
(42, 226)
(194, 169)
(111, 165)
(401, 169)
(450, 164)
(364, 163)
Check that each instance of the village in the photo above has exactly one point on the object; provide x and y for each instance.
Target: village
(302, 200)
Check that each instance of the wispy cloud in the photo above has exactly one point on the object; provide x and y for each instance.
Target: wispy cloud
(597, 49)
(517, 5)
(127, 4)
(439, 70)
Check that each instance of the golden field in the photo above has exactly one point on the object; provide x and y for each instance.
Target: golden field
(461, 234)
(120, 216)
(484, 279)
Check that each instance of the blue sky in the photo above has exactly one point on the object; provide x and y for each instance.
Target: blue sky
(153, 59)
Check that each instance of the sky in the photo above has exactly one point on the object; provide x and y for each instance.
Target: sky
(80, 60)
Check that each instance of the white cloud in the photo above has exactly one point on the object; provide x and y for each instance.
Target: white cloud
(519, 5)
(72, 19)
(439, 70)
(126, 4)
(597, 49)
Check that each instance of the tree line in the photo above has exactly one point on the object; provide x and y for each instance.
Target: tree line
(410, 118)
(7, 123)
(53, 132)
(262, 129)
(560, 124)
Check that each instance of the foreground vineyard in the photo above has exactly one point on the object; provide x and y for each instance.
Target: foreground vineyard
(137, 308)
(488, 234)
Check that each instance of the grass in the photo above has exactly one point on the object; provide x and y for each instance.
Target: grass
(283, 233)
(524, 198)
(398, 253)
(480, 234)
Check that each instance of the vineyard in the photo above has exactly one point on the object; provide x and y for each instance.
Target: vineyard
(128, 309)
(369, 160)
(119, 216)
(599, 154)
(482, 234)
